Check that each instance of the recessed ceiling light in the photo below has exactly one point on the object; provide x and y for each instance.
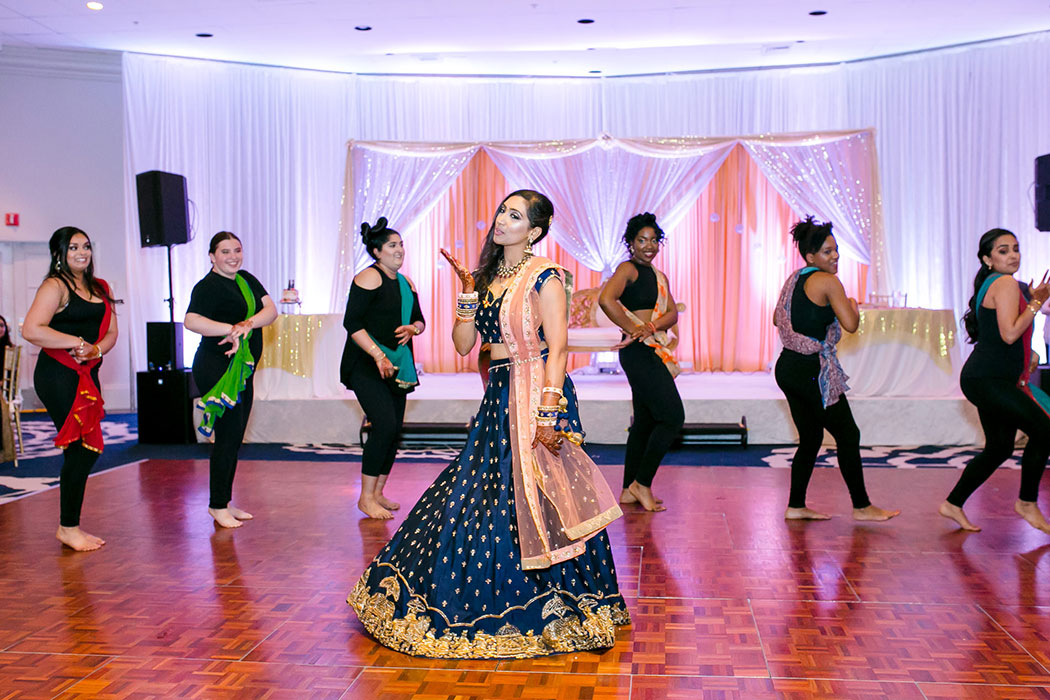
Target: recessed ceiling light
(94, 5)
(205, 35)
(585, 21)
(363, 28)
(595, 71)
(818, 13)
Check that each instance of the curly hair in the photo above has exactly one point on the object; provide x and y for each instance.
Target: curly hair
(636, 223)
(810, 236)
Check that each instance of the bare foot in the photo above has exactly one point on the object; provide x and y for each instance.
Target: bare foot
(386, 502)
(224, 518)
(644, 494)
(804, 514)
(239, 514)
(956, 514)
(1032, 515)
(627, 497)
(75, 538)
(874, 513)
(371, 508)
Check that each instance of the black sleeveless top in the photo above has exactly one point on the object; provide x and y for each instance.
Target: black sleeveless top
(80, 318)
(806, 317)
(992, 357)
(641, 294)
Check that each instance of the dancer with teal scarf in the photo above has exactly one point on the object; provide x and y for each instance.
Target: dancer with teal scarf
(228, 308)
(995, 379)
(382, 316)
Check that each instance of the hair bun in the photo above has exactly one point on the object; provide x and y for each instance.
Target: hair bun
(369, 232)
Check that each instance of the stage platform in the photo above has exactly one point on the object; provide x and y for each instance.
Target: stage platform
(605, 408)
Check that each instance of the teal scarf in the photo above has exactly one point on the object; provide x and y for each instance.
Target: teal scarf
(227, 390)
(1037, 394)
(401, 357)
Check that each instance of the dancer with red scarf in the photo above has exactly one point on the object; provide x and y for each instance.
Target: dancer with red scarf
(995, 379)
(72, 320)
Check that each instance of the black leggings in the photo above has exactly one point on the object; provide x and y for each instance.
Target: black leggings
(1004, 409)
(56, 386)
(658, 413)
(229, 428)
(385, 408)
(796, 376)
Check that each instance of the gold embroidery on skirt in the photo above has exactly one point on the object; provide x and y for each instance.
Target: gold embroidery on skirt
(412, 634)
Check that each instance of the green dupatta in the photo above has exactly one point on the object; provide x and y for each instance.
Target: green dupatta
(401, 357)
(227, 390)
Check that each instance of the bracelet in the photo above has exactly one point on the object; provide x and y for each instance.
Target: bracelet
(1034, 309)
(553, 390)
(651, 325)
(467, 296)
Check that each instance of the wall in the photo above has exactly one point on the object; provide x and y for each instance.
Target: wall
(61, 163)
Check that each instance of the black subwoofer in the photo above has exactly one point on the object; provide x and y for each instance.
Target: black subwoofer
(166, 407)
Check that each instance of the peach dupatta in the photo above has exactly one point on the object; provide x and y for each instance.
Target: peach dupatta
(562, 501)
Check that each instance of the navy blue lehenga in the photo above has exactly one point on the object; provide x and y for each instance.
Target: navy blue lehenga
(449, 584)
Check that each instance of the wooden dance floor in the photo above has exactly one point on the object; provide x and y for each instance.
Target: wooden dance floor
(727, 600)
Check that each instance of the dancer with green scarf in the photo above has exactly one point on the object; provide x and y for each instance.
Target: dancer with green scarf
(382, 316)
(228, 308)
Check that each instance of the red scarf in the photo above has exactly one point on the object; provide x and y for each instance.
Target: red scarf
(1034, 393)
(84, 421)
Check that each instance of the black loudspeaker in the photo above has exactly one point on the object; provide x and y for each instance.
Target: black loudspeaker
(1042, 192)
(166, 407)
(163, 345)
(164, 217)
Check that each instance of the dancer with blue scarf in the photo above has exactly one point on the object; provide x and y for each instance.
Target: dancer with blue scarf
(228, 308)
(995, 379)
(810, 315)
(382, 316)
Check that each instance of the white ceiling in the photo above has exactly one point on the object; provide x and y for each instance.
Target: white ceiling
(519, 37)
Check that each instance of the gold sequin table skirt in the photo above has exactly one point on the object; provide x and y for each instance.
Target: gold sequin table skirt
(903, 352)
(300, 358)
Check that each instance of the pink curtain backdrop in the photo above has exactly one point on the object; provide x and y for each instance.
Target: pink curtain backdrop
(726, 205)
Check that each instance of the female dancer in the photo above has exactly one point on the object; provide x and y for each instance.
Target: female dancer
(812, 311)
(505, 555)
(72, 320)
(995, 378)
(382, 316)
(224, 308)
(5, 337)
(638, 299)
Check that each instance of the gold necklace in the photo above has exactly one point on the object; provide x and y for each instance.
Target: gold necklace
(502, 270)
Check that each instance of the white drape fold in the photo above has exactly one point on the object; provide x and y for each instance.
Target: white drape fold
(597, 184)
(398, 181)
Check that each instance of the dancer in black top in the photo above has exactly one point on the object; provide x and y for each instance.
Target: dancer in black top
(382, 316)
(995, 375)
(812, 310)
(638, 299)
(225, 307)
(71, 319)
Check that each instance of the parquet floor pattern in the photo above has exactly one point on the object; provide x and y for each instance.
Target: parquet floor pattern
(728, 600)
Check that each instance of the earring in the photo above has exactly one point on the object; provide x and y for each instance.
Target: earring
(528, 248)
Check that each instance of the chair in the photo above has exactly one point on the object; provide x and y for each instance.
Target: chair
(10, 390)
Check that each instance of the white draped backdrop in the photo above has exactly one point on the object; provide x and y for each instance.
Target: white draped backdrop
(264, 153)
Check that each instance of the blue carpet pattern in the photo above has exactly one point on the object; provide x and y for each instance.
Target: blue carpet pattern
(39, 467)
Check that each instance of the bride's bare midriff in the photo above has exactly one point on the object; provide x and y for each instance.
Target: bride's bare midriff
(498, 351)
